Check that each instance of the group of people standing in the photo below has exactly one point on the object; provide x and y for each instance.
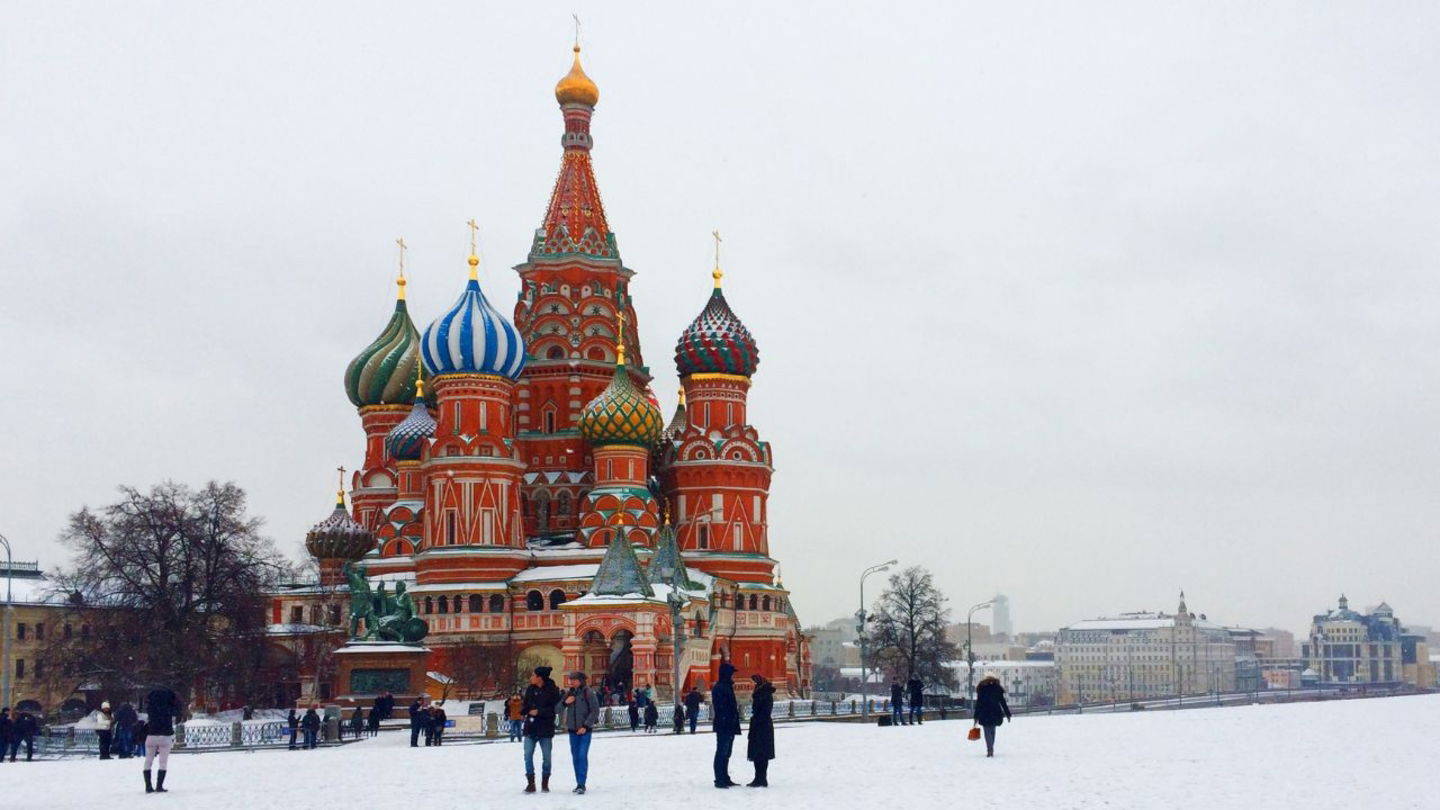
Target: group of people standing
(916, 689)
(427, 722)
(309, 725)
(16, 731)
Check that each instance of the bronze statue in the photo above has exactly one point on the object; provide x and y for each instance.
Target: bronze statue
(386, 617)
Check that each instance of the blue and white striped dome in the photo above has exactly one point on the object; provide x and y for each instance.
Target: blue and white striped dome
(473, 338)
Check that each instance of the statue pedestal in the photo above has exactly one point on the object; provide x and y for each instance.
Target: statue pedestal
(371, 668)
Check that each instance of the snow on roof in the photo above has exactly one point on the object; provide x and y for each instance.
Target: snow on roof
(546, 573)
(627, 599)
(1138, 621)
(372, 647)
(439, 677)
(436, 587)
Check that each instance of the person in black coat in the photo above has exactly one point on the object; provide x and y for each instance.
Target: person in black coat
(372, 722)
(897, 704)
(633, 710)
(727, 723)
(419, 723)
(23, 731)
(437, 724)
(125, 720)
(917, 700)
(692, 707)
(6, 727)
(990, 708)
(310, 724)
(538, 709)
(761, 744)
(293, 721)
(163, 709)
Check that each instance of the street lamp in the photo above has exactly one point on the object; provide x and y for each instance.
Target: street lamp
(5, 627)
(970, 654)
(864, 669)
(677, 635)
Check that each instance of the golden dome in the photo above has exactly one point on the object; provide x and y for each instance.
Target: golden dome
(576, 87)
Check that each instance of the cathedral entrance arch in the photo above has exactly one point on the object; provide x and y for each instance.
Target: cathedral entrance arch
(620, 673)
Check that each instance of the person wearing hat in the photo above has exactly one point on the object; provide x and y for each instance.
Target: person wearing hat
(104, 728)
(760, 747)
(538, 707)
(582, 712)
(727, 723)
(990, 708)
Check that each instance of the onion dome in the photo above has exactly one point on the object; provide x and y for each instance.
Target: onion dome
(473, 337)
(576, 87)
(406, 440)
(384, 373)
(622, 414)
(339, 537)
(716, 342)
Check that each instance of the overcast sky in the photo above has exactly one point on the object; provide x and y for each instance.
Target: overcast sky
(1083, 303)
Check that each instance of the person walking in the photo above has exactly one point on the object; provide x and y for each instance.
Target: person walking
(7, 727)
(437, 723)
(310, 724)
(760, 747)
(23, 732)
(538, 707)
(104, 728)
(582, 712)
(293, 721)
(372, 722)
(726, 719)
(990, 708)
(632, 708)
(693, 699)
(418, 722)
(357, 722)
(125, 720)
(514, 716)
(162, 707)
(897, 704)
(917, 700)
(652, 716)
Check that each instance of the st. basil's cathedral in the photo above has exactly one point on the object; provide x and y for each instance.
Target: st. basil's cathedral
(521, 481)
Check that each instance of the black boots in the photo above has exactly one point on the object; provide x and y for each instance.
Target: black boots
(529, 783)
(160, 783)
(148, 787)
(545, 783)
(762, 768)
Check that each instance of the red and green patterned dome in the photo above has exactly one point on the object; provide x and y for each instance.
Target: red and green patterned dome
(717, 342)
(622, 414)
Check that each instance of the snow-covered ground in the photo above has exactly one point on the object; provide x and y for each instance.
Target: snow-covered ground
(1341, 754)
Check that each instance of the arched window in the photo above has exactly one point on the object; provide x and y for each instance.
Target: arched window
(555, 353)
(444, 604)
(752, 601)
(429, 605)
(497, 603)
(557, 598)
(542, 512)
(765, 604)
(458, 603)
(534, 601)
(699, 625)
(562, 507)
(477, 603)
(594, 637)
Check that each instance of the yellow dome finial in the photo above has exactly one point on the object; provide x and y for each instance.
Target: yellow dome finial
(340, 491)
(682, 397)
(620, 339)
(576, 87)
(716, 274)
(419, 377)
(400, 282)
(474, 260)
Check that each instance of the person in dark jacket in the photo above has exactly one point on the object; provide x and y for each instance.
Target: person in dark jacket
(162, 707)
(760, 748)
(372, 722)
(633, 709)
(23, 732)
(678, 719)
(917, 700)
(125, 720)
(538, 706)
(693, 699)
(437, 723)
(6, 727)
(357, 722)
(652, 717)
(990, 708)
(897, 704)
(582, 712)
(293, 721)
(310, 724)
(419, 723)
(727, 723)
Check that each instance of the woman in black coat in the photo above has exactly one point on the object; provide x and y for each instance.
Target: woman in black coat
(990, 708)
(761, 745)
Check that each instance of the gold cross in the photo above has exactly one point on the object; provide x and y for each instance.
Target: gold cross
(340, 493)
(401, 242)
(577, 29)
(716, 274)
(473, 229)
(620, 337)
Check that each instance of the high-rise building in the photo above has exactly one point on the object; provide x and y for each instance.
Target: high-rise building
(1000, 617)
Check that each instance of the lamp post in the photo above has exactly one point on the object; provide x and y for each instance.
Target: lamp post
(970, 654)
(5, 627)
(864, 653)
(677, 635)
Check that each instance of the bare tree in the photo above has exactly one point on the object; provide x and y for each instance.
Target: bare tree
(483, 668)
(909, 629)
(180, 576)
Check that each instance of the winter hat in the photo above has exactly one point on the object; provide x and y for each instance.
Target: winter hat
(104, 704)
(543, 672)
(578, 675)
(757, 678)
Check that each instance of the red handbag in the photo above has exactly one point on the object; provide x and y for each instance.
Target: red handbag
(974, 733)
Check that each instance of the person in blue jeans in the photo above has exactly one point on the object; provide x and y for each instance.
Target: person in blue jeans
(582, 712)
(726, 718)
(542, 697)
